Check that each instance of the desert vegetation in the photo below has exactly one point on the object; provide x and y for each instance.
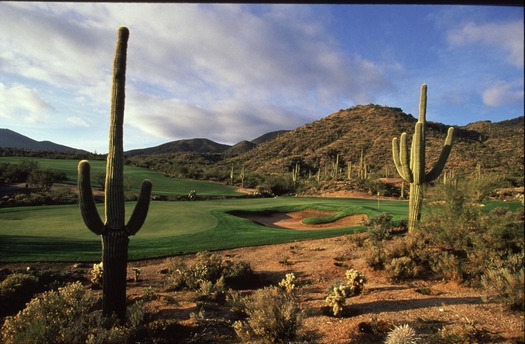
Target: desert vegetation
(438, 271)
(245, 295)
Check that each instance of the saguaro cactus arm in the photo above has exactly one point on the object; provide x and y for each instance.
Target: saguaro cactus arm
(400, 155)
(88, 208)
(443, 157)
(141, 209)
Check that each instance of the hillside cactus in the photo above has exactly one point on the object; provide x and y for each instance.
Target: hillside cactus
(412, 167)
(113, 230)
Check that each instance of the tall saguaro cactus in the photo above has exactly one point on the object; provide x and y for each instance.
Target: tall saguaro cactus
(412, 169)
(113, 230)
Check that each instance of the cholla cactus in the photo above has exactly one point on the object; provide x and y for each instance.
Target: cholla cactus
(356, 281)
(288, 283)
(96, 273)
(337, 296)
(403, 334)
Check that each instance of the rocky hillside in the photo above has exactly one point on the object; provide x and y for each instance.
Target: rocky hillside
(497, 147)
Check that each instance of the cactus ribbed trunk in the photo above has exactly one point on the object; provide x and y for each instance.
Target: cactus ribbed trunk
(415, 204)
(412, 169)
(114, 195)
(114, 259)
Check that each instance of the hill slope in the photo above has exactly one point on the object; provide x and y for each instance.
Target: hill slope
(198, 145)
(11, 139)
(497, 147)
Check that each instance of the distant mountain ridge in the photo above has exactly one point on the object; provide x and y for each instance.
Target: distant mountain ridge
(198, 145)
(202, 145)
(12, 139)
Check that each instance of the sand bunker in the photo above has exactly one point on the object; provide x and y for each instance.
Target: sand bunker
(293, 220)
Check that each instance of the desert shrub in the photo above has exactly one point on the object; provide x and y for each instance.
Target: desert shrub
(149, 294)
(176, 275)
(336, 299)
(272, 316)
(15, 290)
(378, 229)
(235, 301)
(50, 317)
(459, 240)
(461, 332)
(211, 291)
(67, 316)
(277, 185)
(403, 334)
(207, 267)
(375, 258)
(506, 284)
(401, 268)
(449, 265)
(237, 274)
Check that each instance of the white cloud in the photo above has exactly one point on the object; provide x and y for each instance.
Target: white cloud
(22, 103)
(507, 36)
(503, 94)
(197, 68)
(77, 121)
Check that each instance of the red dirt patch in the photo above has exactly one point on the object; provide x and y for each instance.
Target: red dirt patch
(293, 220)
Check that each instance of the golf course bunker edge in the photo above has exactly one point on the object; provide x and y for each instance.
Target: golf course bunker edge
(293, 220)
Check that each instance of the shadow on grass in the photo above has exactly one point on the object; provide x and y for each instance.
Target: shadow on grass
(21, 248)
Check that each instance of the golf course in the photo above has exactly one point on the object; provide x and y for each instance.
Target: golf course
(57, 232)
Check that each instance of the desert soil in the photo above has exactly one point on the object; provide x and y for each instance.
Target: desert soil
(317, 264)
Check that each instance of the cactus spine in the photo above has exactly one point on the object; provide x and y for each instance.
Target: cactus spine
(113, 230)
(412, 169)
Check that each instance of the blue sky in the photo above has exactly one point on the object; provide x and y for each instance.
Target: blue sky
(230, 72)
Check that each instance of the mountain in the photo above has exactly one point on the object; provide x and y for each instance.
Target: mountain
(11, 139)
(497, 147)
(240, 148)
(206, 146)
(199, 145)
(268, 136)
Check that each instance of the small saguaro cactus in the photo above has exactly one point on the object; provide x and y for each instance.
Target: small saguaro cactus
(113, 230)
(412, 168)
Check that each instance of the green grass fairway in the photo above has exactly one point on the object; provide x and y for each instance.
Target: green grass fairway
(57, 233)
(162, 185)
